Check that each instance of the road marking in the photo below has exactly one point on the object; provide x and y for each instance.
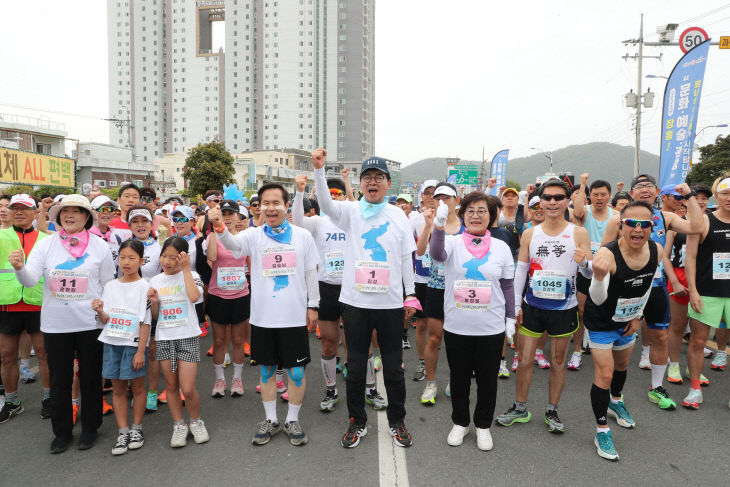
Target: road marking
(391, 458)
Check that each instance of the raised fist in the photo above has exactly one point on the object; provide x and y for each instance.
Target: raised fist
(319, 156)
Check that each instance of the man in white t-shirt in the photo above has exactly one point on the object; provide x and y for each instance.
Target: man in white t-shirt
(284, 299)
(378, 267)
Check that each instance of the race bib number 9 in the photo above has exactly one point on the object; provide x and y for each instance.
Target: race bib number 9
(629, 308)
(122, 323)
(371, 276)
(279, 261)
(472, 295)
(173, 312)
(721, 265)
(549, 284)
(68, 285)
(231, 278)
(334, 263)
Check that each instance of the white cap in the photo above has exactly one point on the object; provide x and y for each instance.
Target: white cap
(534, 200)
(243, 211)
(429, 183)
(139, 212)
(445, 190)
(101, 200)
(22, 199)
(58, 198)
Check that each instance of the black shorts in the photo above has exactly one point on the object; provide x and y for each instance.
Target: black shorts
(421, 296)
(330, 308)
(16, 322)
(582, 284)
(557, 323)
(434, 305)
(656, 310)
(226, 311)
(283, 347)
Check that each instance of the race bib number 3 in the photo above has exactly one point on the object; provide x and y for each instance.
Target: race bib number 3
(372, 277)
(721, 265)
(122, 323)
(231, 278)
(472, 295)
(279, 261)
(549, 284)
(68, 285)
(334, 263)
(173, 312)
(629, 308)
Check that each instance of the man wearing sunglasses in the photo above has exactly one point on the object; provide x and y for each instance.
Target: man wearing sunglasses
(656, 312)
(550, 256)
(257, 218)
(106, 210)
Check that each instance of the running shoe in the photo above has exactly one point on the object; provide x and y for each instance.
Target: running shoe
(604, 446)
(236, 387)
(209, 353)
(709, 353)
(162, 397)
(200, 433)
(339, 366)
(106, 408)
(46, 408)
(515, 363)
(32, 352)
(246, 349)
(644, 362)
(405, 344)
(575, 361)
(378, 363)
(9, 410)
(317, 334)
(344, 370)
(179, 435)
(122, 444)
(401, 436)
(660, 397)
(503, 371)
(331, 398)
(27, 375)
(264, 431)
(219, 388)
(693, 399)
(151, 402)
(203, 334)
(484, 439)
(513, 416)
(619, 411)
(107, 387)
(720, 361)
(420, 372)
(447, 390)
(280, 387)
(375, 400)
(353, 434)
(456, 435)
(297, 437)
(704, 381)
(285, 397)
(226, 360)
(136, 439)
(75, 412)
(428, 398)
(542, 361)
(553, 422)
(674, 375)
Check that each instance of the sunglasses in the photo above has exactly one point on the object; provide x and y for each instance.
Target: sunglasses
(677, 197)
(108, 209)
(535, 206)
(633, 223)
(254, 205)
(336, 192)
(556, 197)
(180, 219)
(146, 199)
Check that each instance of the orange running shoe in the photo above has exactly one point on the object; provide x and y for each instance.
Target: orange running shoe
(106, 408)
(247, 349)
(206, 324)
(209, 353)
(75, 408)
(162, 397)
(203, 332)
(319, 335)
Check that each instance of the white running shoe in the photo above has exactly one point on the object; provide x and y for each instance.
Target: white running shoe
(542, 361)
(457, 434)
(484, 439)
(428, 398)
(200, 434)
(575, 361)
(179, 436)
(644, 362)
(219, 388)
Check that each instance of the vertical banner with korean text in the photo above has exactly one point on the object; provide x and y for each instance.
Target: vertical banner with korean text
(679, 118)
(499, 170)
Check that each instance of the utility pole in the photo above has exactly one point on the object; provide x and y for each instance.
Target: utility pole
(124, 122)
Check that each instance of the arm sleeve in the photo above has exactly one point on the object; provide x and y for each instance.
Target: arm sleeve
(333, 209)
(508, 289)
(297, 210)
(234, 243)
(312, 288)
(437, 246)
(32, 272)
(599, 289)
(519, 284)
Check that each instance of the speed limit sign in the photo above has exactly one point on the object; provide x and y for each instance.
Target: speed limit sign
(692, 37)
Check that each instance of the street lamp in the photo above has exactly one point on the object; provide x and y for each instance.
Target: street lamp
(655, 76)
(697, 135)
(549, 155)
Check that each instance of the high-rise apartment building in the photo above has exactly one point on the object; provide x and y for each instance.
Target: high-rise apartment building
(258, 74)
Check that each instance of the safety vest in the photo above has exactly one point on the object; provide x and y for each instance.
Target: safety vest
(11, 291)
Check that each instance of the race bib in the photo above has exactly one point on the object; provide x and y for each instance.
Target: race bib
(231, 278)
(549, 284)
(371, 276)
(279, 261)
(721, 265)
(334, 263)
(68, 285)
(426, 260)
(659, 273)
(173, 312)
(472, 295)
(594, 247)
(629, 308)
(122, 323)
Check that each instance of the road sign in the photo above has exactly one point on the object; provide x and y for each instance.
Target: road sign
(691, 37)
(465, 174)
(725, 42)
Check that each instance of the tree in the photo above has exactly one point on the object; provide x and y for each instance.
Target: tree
(208, 166)
(52, 191)
(513, 184)
(714, 161)
(17, 189)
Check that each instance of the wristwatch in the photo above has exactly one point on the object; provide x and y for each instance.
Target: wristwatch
(689, 195)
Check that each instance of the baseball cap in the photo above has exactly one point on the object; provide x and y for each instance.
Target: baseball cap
(229, 205)
(243, 211)
(642, 178)
(139, 212)
(101, 200)
(534, 201)
(186, 211)
(445, 190)
(429, 183)
(405, 197)
(375, 163)
(511, 190)
(22, 199)
(668, 189)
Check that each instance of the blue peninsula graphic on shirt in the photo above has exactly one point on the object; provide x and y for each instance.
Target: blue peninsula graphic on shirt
(377, 252)
(472, 267)
(71, 264)
(280, 282)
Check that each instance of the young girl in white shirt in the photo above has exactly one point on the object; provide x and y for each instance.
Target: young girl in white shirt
(173, 297)
(124, 312)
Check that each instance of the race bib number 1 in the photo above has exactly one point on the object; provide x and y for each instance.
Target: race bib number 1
(472, 295)
(279, 261)
(173, 312)
(122, 323)
(629, 308)
(334, 263)
(721, 265)
(549, 284)
(372, 277)
(68, 285)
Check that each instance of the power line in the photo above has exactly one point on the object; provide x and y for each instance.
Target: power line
(57, 112)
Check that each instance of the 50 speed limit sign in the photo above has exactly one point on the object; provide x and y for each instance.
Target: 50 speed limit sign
(692, 37)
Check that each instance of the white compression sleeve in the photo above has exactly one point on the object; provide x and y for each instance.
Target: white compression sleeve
(520, 279)
(599, 289)
(312, 288)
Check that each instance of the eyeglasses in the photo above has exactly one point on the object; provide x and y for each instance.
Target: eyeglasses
(254, 205)
(633, 223)
(336, 192)
(428, 193)
(180, 219)
(480, 212)
(643, 186)
(556, 197)
(378, 178)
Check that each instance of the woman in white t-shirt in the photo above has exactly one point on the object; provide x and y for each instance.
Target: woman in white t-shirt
(74, 265)
(173, 297)
(124, 312)
(478, 310)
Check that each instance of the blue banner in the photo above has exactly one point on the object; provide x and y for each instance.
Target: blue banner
(679, 118)
(499, 170)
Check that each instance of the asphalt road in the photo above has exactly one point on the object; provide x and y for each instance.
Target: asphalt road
(679, 447)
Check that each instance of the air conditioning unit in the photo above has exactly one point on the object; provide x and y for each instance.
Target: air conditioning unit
(100, 182)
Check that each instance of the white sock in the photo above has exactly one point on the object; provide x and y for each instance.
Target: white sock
(517, 354)
(614, 401)
(329, 371)
(538, 352)
(237, 371)
(502, 363)
(370, 371)
(645, 349)
(219, 371)
(293, 413)
(657, 375)
(721, 352)
(672, 364)
(270, 408)
(279, 376)
(603, 430)
(576, 353)
(25, 362)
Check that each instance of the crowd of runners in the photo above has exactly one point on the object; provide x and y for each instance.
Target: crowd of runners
(114, 295)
